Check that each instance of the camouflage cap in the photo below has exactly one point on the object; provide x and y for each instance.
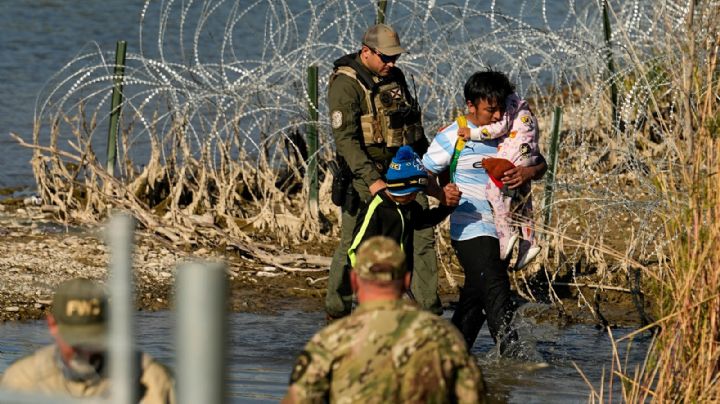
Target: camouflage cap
(384, 39)
(380, 258)
(80, 309)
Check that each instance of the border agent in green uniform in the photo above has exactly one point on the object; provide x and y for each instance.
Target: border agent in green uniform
(372, 114)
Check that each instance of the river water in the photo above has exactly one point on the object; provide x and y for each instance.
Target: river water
(262, 349)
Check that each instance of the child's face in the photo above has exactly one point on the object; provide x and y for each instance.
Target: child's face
(485, 112)
(405, 199)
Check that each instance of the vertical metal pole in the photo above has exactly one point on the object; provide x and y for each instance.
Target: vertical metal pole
(552, 166)
(607, 30)
(312, 137)
(201, 299)
(115, 108)
(123, 357)
(381, 6)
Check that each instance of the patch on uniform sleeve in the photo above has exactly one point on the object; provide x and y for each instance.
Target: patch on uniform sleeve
(336, 119)
(301, 365)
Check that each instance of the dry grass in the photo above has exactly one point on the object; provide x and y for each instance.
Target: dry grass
(188, 197)
(683, 363)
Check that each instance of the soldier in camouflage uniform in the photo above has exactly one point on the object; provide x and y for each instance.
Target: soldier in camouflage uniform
(372, 114)
(388, 350)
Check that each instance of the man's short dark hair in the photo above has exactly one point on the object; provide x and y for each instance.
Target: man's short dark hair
(488, 85)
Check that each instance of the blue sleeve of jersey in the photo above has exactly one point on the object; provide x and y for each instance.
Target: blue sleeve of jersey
(437, 158)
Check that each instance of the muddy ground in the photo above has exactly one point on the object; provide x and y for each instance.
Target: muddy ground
(37, 253)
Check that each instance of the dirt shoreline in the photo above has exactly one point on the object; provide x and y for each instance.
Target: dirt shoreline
(37, 253)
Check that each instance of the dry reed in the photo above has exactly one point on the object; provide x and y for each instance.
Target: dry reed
(683, 363)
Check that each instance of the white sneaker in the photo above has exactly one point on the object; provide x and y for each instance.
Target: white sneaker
(509, 247)
(526, 258)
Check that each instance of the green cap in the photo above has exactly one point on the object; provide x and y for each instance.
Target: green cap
(383, 39)
(380, 258)
(80, 309)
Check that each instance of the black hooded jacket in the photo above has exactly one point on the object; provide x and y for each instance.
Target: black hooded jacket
(384, 217)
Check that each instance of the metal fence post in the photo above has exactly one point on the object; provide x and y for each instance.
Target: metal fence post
(312, 137)
(552, 166)
(381, 6)
(201, 299)
(115, 108)
(123, 355)
(607, 30)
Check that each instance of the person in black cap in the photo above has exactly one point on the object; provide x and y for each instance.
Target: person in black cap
(372, 113)
(395, 213)
(75, 365)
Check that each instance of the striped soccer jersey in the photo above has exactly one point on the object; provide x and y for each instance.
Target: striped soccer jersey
(473, 217)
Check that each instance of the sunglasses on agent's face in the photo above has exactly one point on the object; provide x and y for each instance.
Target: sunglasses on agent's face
(385, 58)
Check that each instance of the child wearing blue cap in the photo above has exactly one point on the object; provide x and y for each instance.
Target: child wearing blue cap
(395, 213)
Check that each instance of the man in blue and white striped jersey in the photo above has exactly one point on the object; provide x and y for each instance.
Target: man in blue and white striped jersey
(486, 292)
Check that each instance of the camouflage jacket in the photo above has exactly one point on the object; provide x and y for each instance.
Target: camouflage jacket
(40, 372)
(387, 352)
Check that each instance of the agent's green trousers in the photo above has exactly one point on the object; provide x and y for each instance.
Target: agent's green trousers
(424, 286)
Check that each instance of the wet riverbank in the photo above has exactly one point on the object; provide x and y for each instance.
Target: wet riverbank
(262, 349)
(37, 252)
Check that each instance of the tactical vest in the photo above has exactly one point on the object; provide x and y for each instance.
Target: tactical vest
(393, 118)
